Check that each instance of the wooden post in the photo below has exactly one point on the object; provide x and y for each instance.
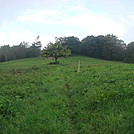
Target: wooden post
(78, 66)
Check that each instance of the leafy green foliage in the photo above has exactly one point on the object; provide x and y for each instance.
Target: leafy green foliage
(55, 99)
(107, 47)
(73, 43)
(130, 53)
(56, 50)
(23, 50)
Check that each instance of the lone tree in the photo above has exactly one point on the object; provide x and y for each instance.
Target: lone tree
(56, 50)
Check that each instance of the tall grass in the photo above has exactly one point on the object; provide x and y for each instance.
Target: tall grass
(38, 98)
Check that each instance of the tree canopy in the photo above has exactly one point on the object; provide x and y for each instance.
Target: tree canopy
(23, 50)
(107, 47)
(56, 50)
(73, 43)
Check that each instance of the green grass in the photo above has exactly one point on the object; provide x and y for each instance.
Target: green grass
(38, 98)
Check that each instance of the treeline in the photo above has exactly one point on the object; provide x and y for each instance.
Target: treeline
(107, 47)
(23, 50)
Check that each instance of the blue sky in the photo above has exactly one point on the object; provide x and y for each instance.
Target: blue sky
(24, 20)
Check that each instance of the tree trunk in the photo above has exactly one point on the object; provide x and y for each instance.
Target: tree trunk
(56, 60)
(78, 66)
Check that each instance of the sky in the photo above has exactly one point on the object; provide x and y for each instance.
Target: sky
(24, 20)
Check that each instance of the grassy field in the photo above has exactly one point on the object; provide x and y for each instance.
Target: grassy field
(38, 98)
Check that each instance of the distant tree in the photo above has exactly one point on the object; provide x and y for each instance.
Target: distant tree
(23, 50)
(5, 52)
(2, 58)
(73, 44)
(130, 53)
(90, 46)
(56, 50)
(107, 47)
(20, 51)
(35, 48)
(112, 48)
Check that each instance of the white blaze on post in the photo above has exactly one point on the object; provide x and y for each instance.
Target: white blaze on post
(78, 66)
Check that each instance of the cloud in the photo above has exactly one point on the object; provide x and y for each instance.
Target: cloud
(79, 21)
(40, 16)
(15, 38)
(129, 20)
(76, 16)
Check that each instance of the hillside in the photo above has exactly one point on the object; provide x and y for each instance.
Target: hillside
(38, 98)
